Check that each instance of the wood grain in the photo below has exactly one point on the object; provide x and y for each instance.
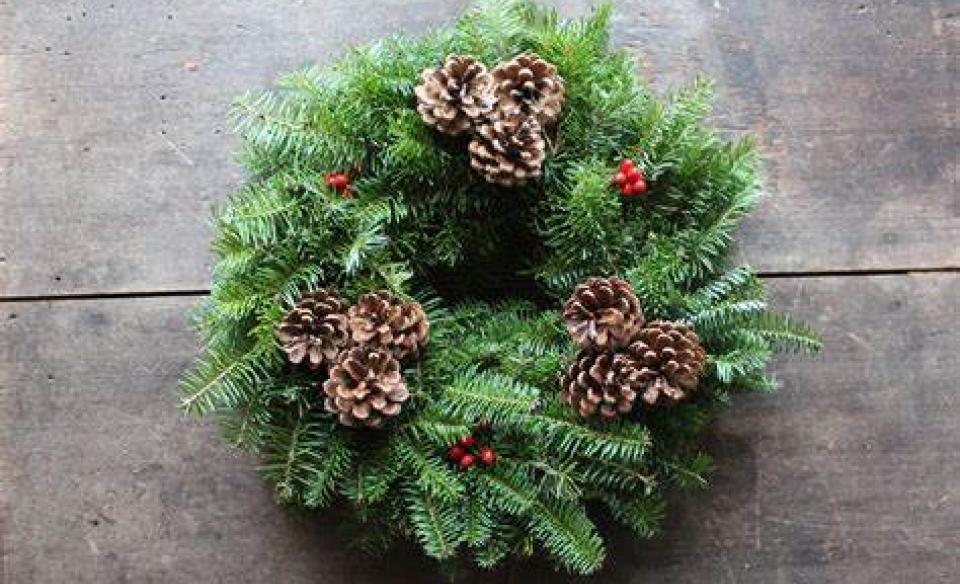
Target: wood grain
(113, 143)
(849, 475)
(854, 104)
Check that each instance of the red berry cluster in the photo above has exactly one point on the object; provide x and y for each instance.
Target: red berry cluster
(472, 449)
(630, 179)
(339, 181)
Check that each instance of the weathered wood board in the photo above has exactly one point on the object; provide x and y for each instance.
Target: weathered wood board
(113, 143)
(850, 474)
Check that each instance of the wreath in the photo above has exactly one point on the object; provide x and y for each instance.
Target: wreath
(476, 290)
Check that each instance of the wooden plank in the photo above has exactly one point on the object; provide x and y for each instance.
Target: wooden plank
(850, 474)
(112, 143)
(113, 138)
(112, 483)
(855, 107)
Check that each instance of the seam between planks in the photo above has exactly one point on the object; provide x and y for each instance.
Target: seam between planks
(206, 291)
(105, 296)
(847, 273)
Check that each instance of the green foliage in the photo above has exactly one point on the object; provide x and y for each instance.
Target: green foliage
(490, 265)
(640, 512)
(437, 524)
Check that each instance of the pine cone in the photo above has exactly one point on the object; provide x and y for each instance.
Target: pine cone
(603, 313)
(316, 329)
(380, 319)
(453, 97)
(508, 150)
(531, 85)
(601, 383)
(365, 387)
(671, 360)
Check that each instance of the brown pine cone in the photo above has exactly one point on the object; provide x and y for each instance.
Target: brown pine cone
(601, 384)
(671, 360)
(530, 85)
(456, 95)
(316, 329)
(380, 319)
(603, 314)
(508, 150)
(365, 387)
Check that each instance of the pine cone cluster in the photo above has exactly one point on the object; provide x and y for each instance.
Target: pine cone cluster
(621, 356)
(361, 347)
(508, 110)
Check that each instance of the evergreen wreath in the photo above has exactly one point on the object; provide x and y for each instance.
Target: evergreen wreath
(476, 289)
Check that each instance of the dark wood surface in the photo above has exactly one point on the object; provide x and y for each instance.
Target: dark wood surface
(113, 143)
(850, 474)
(113, 147)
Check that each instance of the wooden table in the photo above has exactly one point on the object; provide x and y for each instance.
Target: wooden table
(113, 146)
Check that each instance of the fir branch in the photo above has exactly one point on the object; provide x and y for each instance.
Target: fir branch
(371, 481)
(320, 484)
(493, 29)
(609, 474)
(437, 525)
(502, 543)
(563, 529)
(225, 381)
(436, 429)
(569, 536)
(623, 441)
(689, 472)
(480, 523)
(641, 513)
(738, 363)
(484, 396)
(785, 332)
(291, 454)
(433, 476)
(727, 314)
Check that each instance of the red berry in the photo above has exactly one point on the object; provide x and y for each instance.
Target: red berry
(634, 175)
(339, 181)
(626, 166)
(620, 179)
(640, 187)
(487, 455)
(468, 441)
(467, 461)
(456, 453)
